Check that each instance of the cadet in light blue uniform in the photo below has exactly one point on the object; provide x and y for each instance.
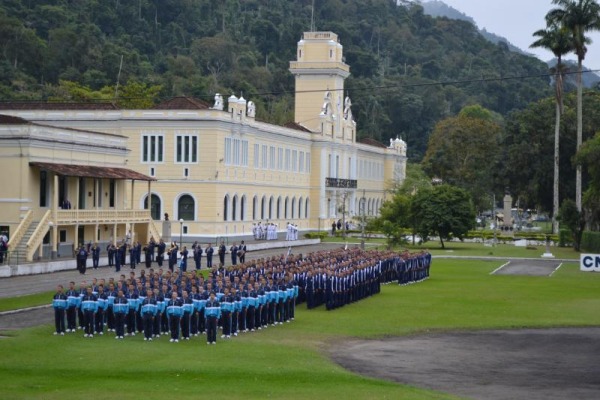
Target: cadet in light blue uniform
(59, 302)
(213, 312)
(174, 312)
(120, 309)
(148, 311)
(89, 306)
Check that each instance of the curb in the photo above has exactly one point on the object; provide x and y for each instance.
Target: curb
(20, 310)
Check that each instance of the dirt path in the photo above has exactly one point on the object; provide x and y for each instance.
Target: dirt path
(530, 364)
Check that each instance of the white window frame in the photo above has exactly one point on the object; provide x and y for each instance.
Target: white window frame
(158, 149)
(190, 153)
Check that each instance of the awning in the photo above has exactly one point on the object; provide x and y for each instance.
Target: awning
(90, 171)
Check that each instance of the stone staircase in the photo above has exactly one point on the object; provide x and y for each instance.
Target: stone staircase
(19, 254)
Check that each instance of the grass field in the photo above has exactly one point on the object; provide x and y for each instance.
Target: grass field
(292, 361)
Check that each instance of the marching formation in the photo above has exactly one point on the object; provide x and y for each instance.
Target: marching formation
(241, 298)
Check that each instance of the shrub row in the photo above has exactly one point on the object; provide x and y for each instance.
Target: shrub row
(590, 241)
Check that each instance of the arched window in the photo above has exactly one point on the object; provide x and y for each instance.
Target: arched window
(293, 208)
(243, 208)
(271, 201)
(300, 208)
(234, 208)
(263, 204)
(186, 208)
(279, 207)
(286, 208)
(254, 208)
(307, 208)
(226, 208)
(156, 206)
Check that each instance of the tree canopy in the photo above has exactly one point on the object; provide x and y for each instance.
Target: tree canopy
(397, 55)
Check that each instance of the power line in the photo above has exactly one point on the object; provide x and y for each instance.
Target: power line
(368, 88)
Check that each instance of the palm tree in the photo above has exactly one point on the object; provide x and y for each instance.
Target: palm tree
(579, 17)
(557, 39)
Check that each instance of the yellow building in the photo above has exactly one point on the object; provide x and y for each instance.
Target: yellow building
(219, 170)
(63, 187)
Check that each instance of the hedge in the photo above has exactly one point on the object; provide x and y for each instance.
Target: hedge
(590, 241)
(316, 235)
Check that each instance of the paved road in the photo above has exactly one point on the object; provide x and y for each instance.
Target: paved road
(29, 284)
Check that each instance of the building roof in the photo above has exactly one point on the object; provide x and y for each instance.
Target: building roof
(10, 120)
(92, 171)
(182, 103)
(56, 105)
(372, 142)
(297, 126)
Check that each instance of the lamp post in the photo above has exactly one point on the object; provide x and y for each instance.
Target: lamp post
(494, 215)
(181, 232)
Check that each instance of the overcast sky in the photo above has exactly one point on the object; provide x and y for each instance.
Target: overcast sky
(516, 20)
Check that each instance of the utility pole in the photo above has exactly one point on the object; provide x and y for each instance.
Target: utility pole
(494, 215)
(362, 220)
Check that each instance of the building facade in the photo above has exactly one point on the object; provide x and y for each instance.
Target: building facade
(218, 170)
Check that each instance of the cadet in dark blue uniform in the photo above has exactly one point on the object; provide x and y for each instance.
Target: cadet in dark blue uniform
(82, 256)
(59, 302)
(160, 253)
(198, 256)
(226, 309)
(184, 255)
(234, 251)
(221, 253)
(110, 249)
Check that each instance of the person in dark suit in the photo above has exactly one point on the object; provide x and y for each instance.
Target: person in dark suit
(234, 253)
(82, 256)
(221, 253)
(209, 255)
(242, 249)
(95, 255)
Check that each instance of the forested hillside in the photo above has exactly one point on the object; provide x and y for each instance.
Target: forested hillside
(199, 47)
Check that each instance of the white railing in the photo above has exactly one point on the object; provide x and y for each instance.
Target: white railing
(75, 217)
(38, 235)
(18, 234)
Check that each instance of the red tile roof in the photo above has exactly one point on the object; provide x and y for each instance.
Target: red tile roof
(52, 105)
(372, 142)
(10, 120)
(297, 126)
(92, 171)
(182, 103)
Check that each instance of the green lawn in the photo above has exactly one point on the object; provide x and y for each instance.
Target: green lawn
(30, 300)
(291, 361)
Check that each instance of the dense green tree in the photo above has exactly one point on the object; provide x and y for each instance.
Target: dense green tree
(398, 56)
(579, 17)
(589, 156)
(444, 211)
(463, 151)
(573, 220)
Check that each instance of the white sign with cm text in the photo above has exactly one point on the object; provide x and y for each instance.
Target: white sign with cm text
(589, 262)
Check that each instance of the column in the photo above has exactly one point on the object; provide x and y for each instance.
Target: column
(54, 225)
(114, 233)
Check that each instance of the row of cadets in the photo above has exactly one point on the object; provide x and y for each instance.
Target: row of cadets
(271, 233)
(258, 232)
(415, 268)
